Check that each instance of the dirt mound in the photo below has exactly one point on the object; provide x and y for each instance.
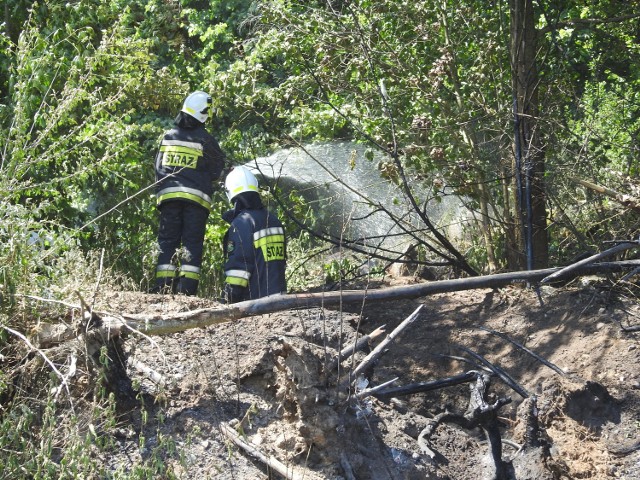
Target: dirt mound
(272, 383)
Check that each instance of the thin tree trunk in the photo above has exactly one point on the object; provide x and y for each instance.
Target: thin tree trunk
(486, 228)
(529, 167)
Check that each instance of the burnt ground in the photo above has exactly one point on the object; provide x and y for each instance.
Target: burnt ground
(267, 376)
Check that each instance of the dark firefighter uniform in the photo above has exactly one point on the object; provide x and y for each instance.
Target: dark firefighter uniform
(188, 163)
(255, 251)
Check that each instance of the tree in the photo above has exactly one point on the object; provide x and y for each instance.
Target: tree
(529, 166)
(407, 80)
(445, 87)
(76, 129)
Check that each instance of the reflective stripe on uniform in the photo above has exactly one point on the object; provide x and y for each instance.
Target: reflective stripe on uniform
(165, 271)
(189, 271)
(178, 153)
(271, 242)
(268, 231)
(237, 277)
(185, 193)
(181, 143)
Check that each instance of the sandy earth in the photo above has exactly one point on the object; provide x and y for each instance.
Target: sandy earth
(270, 377)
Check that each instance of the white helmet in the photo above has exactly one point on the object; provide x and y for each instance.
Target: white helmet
(239, 180)
(197, 105)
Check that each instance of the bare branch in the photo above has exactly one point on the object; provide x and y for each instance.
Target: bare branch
(552, 366)
(287, 471)
(360, 344)
(624, 199)
(41, 353)
(376, 352)
(422, 387)
(374, 390)
(506, 378)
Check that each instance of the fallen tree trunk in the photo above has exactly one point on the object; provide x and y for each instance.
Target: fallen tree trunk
(566, 271)
(162, 325)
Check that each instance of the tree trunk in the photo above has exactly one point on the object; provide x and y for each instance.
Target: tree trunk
(529, 168)
(113, 325)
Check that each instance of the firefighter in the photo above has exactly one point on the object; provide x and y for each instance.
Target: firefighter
(254, 245)
(188, 164)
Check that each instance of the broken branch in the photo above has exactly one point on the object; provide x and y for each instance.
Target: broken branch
(360, 344)
(506, 378)
(622, 198)
(552, 366)
(372, 391)
(427, 386)
(273, 463)
(575, 266)
(376, 352)
(151, 374)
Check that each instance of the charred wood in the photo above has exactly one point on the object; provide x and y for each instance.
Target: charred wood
(544, 361)
(381, 347)
(532, 438)
(504, 376)
(568, 271)
(361, 344)
(479, 413)
(422, 387)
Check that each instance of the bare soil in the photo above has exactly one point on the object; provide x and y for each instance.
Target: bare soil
(267, 377)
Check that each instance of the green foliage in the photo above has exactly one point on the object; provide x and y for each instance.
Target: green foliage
(48, 440)
(31, 437)
(305, 263)
(316, 71)
(32, 257)
(597, 111)
(338, 270)
(78, 131)
(93, 85)
(609, 123)
(212, 275)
